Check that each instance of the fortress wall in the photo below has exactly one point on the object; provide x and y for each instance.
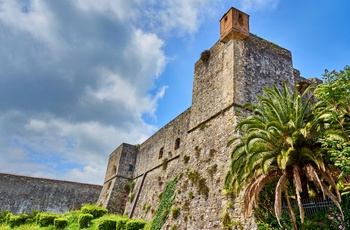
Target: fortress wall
(119, 172)
(262, 64)
(213, 83)
(148, 156)
(208, 158)
(20, 194)
(153, 186)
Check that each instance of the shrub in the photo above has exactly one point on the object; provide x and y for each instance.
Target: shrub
(175, 212)
(46, 219)
(186, 159)
(15, 221)
(95, 211)
(121, 224)
(146, 208)
(3, 215)
(60, 223)
(107, 224)
(205, 56)
(131, 197)
(85, 219)
(165, 163)
(135, 224)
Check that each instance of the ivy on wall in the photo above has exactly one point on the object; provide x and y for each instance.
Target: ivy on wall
(164, 206)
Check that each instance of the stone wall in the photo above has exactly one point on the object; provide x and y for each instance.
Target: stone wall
(119, 174)
(20, 194)
(162, 141)
(228, 76)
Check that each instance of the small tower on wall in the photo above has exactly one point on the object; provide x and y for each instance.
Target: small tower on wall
(234, 24)
(119, 174)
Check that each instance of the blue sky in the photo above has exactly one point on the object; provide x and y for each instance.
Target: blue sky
(78, 78)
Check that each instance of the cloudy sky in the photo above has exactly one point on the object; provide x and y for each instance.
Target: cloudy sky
(78, 78)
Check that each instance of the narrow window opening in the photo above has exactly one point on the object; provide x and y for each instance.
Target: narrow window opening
(177, 143)
(160, 155)
(131, 168)
(240, 19)
(225, 19)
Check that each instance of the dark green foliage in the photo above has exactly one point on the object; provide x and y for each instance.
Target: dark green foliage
(194, 176)
(186, 159)
(15, 221)
(175, 212)
(146, 208)
(132, 186)
(3, 216)
(190, 195)
(205, 56)
(333, 117)
(135, 225)
(46, 219)
(85, 219)
(165, 164)
(202, 187)
(32, 217)
(226, 221)
(164, 206)
(108, 224)
(131, 197)
(94, 210)
(121, 224)
(60, 223)
(200, 183)
(212, 170)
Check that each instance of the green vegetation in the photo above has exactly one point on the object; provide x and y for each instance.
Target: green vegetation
(165, 163)
(164, 207)
(301, 150)
(205, 56)
(89, 217)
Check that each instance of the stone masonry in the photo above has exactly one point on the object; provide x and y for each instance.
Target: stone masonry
(226, 77)
(21, 194)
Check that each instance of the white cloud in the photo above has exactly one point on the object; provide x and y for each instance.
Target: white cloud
(76, 79)
(255, 5)
(177, 17)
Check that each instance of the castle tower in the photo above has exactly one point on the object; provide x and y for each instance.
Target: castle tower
(236, 69)
(234, 24)
(119, 174)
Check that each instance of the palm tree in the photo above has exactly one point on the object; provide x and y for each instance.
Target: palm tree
(277, 143)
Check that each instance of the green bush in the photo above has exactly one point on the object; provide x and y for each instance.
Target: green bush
(85, 219)
(94, 210)
(15, 221)
(46, 219)
(135, 224)
(121, 224)
(3, 215)
(60, 223)
(175, 212)
(8, 216)
(107, 224)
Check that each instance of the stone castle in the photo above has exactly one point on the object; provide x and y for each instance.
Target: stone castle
(226, 77)
(192, 147)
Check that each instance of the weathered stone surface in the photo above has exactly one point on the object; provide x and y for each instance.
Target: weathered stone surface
(20, 194)
(227, 77)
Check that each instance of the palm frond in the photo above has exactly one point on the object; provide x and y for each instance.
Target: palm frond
(278, 196)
